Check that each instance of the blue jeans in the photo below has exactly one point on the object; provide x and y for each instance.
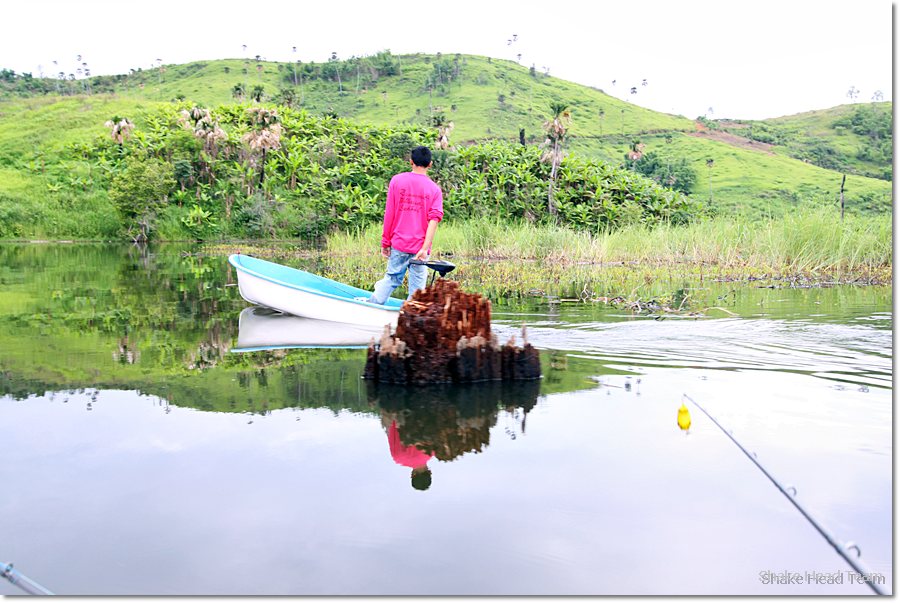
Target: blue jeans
(398, 264)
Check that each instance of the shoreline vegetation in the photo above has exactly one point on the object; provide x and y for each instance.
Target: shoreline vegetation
(808, 248)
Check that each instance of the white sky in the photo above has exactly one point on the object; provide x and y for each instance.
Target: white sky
(753, 60)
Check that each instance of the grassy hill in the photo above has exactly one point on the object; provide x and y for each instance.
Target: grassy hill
(856, 139)
(468, 89)
(758, 168)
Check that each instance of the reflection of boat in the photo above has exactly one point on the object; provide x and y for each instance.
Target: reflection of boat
(265, 329)
(302, 293)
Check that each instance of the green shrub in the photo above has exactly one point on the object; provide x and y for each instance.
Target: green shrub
(13, 217)
(139, 191)
(257, 216)
(670, 172)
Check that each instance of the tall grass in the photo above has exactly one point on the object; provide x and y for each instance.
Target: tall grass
(807, 242)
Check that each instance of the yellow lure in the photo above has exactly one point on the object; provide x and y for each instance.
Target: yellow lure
(684, 417)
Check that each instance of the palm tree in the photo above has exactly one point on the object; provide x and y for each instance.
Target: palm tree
(337, 70)
(87, 78)
(258, 92)
(120, 128)
(557, 129)
(444, 127)
(637, 150)
(204, 128)
(302, 95)
(265, 135)
(294, 51)
(709, 165)
(238, 91)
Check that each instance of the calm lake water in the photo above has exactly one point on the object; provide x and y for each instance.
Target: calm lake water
(145, 453)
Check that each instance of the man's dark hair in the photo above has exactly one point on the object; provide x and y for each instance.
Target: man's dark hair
(421, 481)
(421, 156)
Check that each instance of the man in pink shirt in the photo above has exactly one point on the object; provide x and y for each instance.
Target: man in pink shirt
(410, 456)
(414, 207)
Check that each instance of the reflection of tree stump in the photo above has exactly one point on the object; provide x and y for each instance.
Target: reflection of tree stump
(444, 335)
(451, 420)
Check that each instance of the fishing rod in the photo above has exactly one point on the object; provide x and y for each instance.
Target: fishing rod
(841, 548)
(21, 580)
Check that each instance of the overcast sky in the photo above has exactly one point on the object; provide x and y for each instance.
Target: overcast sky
(750, 60)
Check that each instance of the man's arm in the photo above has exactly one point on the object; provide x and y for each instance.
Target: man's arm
(429, 237)
(387, 230)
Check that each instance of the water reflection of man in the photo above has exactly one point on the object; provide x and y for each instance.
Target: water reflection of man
(410, 456)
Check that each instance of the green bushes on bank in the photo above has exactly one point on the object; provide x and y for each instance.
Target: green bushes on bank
(251, 171)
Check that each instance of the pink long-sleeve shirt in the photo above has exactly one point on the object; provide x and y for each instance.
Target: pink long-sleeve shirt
(413, 200)
(409, 456)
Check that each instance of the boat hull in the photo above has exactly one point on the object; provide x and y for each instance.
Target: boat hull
(304, 294)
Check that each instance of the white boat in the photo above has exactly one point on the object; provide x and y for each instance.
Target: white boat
(266, 329)
(302, 293)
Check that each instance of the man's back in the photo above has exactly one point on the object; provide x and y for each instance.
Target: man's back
(413, 199)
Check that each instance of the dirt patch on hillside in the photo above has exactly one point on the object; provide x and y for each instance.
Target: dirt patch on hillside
(732, 139)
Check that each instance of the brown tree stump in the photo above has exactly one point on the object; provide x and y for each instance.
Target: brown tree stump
(444, 335)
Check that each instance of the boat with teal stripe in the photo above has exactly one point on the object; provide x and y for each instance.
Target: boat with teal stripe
(300, 293)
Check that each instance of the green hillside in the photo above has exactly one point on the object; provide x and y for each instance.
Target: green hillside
(758, 168)
(485, 98)
(761, 182)
(856, 139)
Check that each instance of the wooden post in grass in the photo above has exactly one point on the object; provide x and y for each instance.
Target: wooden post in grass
(842, 196)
